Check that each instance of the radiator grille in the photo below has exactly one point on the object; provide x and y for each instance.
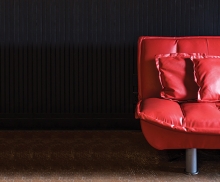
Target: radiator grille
(65, 79)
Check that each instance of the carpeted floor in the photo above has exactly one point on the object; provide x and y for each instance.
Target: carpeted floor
(97, 156)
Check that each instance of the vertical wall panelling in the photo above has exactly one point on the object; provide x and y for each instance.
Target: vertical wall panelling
(75, 60)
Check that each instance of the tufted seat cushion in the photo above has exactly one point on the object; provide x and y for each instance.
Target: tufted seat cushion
(187, 117)
(202, 117)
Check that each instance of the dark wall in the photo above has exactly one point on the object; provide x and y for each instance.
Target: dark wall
(72, 63)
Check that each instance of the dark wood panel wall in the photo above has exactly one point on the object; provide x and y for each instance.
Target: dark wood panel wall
(74, 61)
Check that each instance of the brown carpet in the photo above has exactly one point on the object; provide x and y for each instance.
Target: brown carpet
(97, 156)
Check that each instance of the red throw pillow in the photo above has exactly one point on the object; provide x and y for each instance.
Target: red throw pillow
(177, 76)
(207, 76)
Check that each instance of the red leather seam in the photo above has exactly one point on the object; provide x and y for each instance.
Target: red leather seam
(218, 107)
(176, 42)
(184, 115)
(207, 44)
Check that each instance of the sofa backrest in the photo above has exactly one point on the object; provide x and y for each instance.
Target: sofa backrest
(148, 47)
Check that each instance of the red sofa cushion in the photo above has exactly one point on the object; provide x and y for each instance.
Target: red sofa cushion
(176, 76)
(163, 112)
(207, 76)
(202, 117)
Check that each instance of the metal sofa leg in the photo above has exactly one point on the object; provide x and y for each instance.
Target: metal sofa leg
(191, 161)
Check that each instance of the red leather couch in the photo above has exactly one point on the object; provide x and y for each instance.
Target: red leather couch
(176, 112)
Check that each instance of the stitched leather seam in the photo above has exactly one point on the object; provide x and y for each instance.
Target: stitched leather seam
(184, 115)
(207, 44)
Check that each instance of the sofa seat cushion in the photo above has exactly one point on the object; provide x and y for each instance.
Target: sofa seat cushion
(186, 117)
(163, 112)
(202, 117)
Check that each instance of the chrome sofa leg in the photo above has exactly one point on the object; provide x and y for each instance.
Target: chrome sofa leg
(191, 161)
